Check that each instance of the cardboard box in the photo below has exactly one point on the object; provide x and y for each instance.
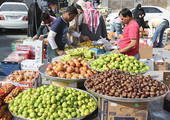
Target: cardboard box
(30, 64)
(166, 78)
(109, 110)
(145, 52)
(68, 84)
(161, 65)
(39, 51)
(159, 62)
(168, 42)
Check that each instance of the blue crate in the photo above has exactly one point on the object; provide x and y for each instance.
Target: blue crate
(8, 67)
(98, 51)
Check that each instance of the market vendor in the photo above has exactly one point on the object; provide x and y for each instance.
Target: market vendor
(46, 22)
(73, 25)
(57, 37)
(129, 44)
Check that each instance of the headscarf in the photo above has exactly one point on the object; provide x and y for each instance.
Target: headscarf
(138, 6)
(81, 5)
(92, 20)
(135, 14)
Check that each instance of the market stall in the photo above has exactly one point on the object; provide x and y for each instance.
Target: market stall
(124, 86)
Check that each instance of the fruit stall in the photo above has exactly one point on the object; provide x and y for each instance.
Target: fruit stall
(91, 77)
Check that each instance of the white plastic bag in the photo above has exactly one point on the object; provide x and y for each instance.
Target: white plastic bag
(105, 42)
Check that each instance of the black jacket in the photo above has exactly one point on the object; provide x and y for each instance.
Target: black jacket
(34, 19)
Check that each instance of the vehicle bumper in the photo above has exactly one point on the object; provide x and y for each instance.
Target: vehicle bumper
(14, 24)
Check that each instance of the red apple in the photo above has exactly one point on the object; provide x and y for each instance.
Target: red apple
(86, 75)
(77, 64)
(60, 67)
(74, 77)
(54, 63)
(68, 75)
(80, 59)
(85, 64)
(54, 67)
(69, 69)
(51, 73)
(89, 72)
(50, 66)
(62, 75)
(85, 68)
(72, 64)
(70, 61)
(81, 76)
(82, 72)
(48, 69)
(76, 69)
(73, 58)
(56, 71)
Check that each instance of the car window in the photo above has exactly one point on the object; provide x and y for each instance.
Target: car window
(151, 10)
(13, 7)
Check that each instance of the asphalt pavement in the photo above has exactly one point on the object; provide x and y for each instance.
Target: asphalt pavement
(6, 39)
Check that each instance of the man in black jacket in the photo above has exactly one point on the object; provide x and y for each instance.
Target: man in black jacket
(34, 19)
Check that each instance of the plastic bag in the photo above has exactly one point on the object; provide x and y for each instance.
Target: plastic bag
(3, 109)
(105, 42)
(6, 89)
(12, 94)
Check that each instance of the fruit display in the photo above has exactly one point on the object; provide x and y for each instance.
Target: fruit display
(86, 44)
(3, 109)
(7, 116)
(8, 92)
(119, 61)
(68, 48)
(6, 89)
(12, 94)
(73, 69)
(117, 83)
(51, 102)
(89, 44)
(85, 53)
(19, 78)
(0, 101)
(23, 76)
(4, 113)
(25, 72)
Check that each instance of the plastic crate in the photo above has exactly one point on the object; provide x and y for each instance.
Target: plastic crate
(22, 47)
(8, 67)
(17, 56)
(16, 43)
(1, 73)
(13, 47)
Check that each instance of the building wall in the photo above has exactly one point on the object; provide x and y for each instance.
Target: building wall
(119, 4)
(160, 3)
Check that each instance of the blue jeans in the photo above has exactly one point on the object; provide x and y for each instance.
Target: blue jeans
(137, 56)
(159, 31)
(116, 28)
(51, 53)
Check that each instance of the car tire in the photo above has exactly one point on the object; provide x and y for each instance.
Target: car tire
(3, 30)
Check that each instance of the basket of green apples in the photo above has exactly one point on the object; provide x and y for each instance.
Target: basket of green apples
(118, 61)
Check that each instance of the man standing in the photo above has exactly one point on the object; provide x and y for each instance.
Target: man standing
(160, 24)
(57, 37)
(129, 45)
(46, 22)
(73, 27)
